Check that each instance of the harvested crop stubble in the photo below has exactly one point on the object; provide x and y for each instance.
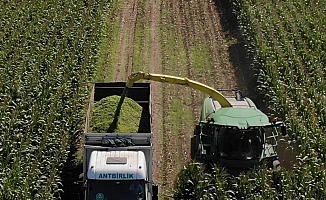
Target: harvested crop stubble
(103, 114)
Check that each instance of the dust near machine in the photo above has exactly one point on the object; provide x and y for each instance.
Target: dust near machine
(118, 166)
(231, 131)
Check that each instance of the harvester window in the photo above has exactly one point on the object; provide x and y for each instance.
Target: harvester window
(238, 144)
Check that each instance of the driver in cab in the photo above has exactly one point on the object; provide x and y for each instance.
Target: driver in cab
(137, 190)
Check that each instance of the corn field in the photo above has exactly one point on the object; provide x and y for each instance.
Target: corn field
(47, 55)
(286, 41)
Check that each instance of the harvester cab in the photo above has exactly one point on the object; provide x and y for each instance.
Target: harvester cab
(237, 137)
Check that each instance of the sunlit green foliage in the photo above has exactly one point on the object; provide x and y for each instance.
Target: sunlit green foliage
(303, 182)
(47, 53)
(287, 43)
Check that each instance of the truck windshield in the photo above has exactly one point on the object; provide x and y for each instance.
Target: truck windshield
(240, 144)
(116, 190)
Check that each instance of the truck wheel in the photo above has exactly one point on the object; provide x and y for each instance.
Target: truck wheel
(155, 192)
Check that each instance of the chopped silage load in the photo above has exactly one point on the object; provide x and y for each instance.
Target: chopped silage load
(103, 112)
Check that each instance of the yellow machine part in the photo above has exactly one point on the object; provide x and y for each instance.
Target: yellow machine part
(180, 81)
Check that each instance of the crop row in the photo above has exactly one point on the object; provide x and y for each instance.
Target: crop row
(47, 54)
(289, 46)
(286, 42)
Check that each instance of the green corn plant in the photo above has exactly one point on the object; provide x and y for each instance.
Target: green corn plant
(48, 54)
(194, 183)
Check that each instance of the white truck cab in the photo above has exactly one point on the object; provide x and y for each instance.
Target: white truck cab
(117, 175)
(119, 166)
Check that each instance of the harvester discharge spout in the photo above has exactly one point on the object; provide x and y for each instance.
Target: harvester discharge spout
(167, 79)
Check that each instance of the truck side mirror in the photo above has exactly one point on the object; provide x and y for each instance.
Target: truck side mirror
(283, 130)
(155, 192)
(84, 188)
(81, 176)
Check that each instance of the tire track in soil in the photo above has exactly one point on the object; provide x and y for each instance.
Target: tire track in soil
(172, 153)
(220, 73)
(124, 60)
(165, 156)
(176, 149)
(184, 94)
(155, 60)
(125, 57)
(172, 149)
(176, 127)
(124, 63)
(219, 48)
(186, 24)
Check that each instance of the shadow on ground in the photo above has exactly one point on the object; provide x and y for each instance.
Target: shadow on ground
(71, 190)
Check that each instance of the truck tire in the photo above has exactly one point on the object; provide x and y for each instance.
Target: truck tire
(155, 198)
(155, 192)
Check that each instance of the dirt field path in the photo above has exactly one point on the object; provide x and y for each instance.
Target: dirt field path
(125, 52)
(156, 87)
(182, 38)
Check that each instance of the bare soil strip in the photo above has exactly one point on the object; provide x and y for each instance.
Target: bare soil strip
(156, 87)
(126, 41)
(125, 55)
